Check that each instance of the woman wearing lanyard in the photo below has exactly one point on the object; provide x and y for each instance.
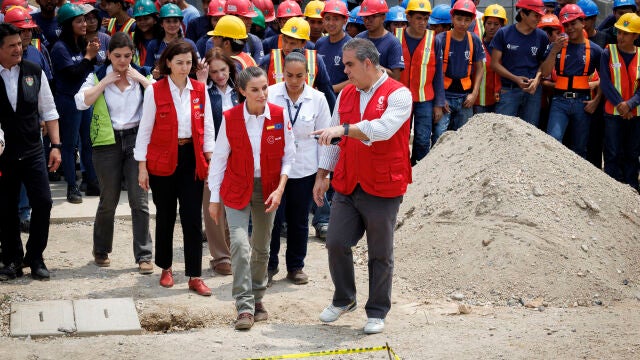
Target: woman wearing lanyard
(307, 110)
(218, 71)
(173, 147)
(250, 164)
(116, 91)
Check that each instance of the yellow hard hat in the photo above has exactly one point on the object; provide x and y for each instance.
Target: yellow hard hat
(314, 9)
(629, 22)
(230, 26)
(419, 5)
(497, 11)
(297, 28)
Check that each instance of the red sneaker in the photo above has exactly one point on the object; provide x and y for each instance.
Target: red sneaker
(166, 279)
(197, 285)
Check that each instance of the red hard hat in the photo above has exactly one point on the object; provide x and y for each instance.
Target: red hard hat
(20, 18)
(335, 7)
(240, 8)
(216, 8)
(571, 12)
(6, 4)
(535, 5)
(289, 8)
(372, 7)
(267, 8)
(465, 6)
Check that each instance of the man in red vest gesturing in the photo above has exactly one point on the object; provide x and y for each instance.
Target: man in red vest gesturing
(371, 173)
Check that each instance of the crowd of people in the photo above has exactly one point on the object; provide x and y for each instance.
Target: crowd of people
(253, 115)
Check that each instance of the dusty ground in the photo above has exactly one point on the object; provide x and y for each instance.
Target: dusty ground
(541, 249)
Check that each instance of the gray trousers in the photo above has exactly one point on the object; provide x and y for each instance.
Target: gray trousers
(217, 234)
(351, 216)
(111, 162)
(249, 257)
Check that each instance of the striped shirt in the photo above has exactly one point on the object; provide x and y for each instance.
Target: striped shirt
(399, 105)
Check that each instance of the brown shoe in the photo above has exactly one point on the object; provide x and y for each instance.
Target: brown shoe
(145, 267)
(102, 260)
(244, 321)
(260, 313)
(223, 269)
(298, 277)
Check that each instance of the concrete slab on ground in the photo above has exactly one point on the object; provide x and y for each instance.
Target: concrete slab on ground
(42, 318)
(106, 317)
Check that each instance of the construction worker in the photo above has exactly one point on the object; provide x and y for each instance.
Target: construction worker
(214, 12)
(591, 12)
(120, 20)
(200, 26)
(396, 19)
(20, 18)
(355, 24)
(268, 10)
(286, 10)
(550, 24)
(440, 19)
(312, 13)
(295, 34)
(572, 103)
(230, 35)
(463, 68)
(373, 14)
(494, 17)
(46, 20)
(334, 17)
(619, 82)
(620, 7)
(171, 22)
(422, 75)
(244, 10)
(550, 6)
(516, 54)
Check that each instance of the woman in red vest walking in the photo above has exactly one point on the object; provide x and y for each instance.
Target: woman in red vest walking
(250, 166)
(173, 147)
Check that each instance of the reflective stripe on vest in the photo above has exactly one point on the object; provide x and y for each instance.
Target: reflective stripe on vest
(245, 60)
(466, 81)
(126, 28)
(482, 95)
(577, 82)
(421, 82)
(276, 73)
(626, 83)
(37, 44)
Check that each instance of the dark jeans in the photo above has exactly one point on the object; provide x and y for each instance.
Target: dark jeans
(111, 163)
(321, 214)
(622, 148)
(74, 128)
(351, 216)
(596, 137)
(569, 113)
(422, 121)
(294, 209)
(515, 102)
(32, 172)
(182, 186)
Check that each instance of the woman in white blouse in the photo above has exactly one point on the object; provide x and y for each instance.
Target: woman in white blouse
(116, 91)
(249, 168)
(173, 147)
(307, 110)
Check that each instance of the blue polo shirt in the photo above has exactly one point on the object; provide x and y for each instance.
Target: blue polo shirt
(34, 55)
(575, 59)
(198, 28)
(64, 58)
(332, 53)
(389, 48)
(49, 28)
(459, 54)
(155, 49)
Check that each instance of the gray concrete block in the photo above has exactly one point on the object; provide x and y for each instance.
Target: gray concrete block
(42, 318)
(106, 317)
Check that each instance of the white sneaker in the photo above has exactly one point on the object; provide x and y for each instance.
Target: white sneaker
(332, 313)
(374, 326)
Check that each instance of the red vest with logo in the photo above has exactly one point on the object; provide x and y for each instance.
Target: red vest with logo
(421, 67)
(382, 169)
(162, 151)
(237, 184)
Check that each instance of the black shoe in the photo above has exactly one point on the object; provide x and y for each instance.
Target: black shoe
(25, 225)
(39, 271)
(73, 195)
(92, 188)
(10, 271)
(54, 176)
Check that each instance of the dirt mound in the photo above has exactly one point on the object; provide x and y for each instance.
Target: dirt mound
(501, 212)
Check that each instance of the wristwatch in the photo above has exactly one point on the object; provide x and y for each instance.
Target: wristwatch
(56, 146)
(346, 129)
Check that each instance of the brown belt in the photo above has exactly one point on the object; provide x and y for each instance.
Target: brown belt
(184, 141)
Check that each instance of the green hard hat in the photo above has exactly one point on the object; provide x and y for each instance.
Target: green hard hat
(170, 11)
(68, 11)
(144, 7)
(259, 20)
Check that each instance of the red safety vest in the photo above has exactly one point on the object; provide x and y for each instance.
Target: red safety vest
(237, 184)
(466, 81)
(245, 60)
(382, 169)
(125, 28)
(490, 84)
(276, 66)
(418, 75)
(576, 82)
(624, 79)
(162, 151)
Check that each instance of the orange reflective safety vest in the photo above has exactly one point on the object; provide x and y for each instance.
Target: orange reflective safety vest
(576, 82)
(140, 55)
(126, 28)
(421, 67)
(625, 79)
(382, 169)
(245, 60)
(276, 73)
(490, 84)
(237, 184)
(162, 151)
(466, 81)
